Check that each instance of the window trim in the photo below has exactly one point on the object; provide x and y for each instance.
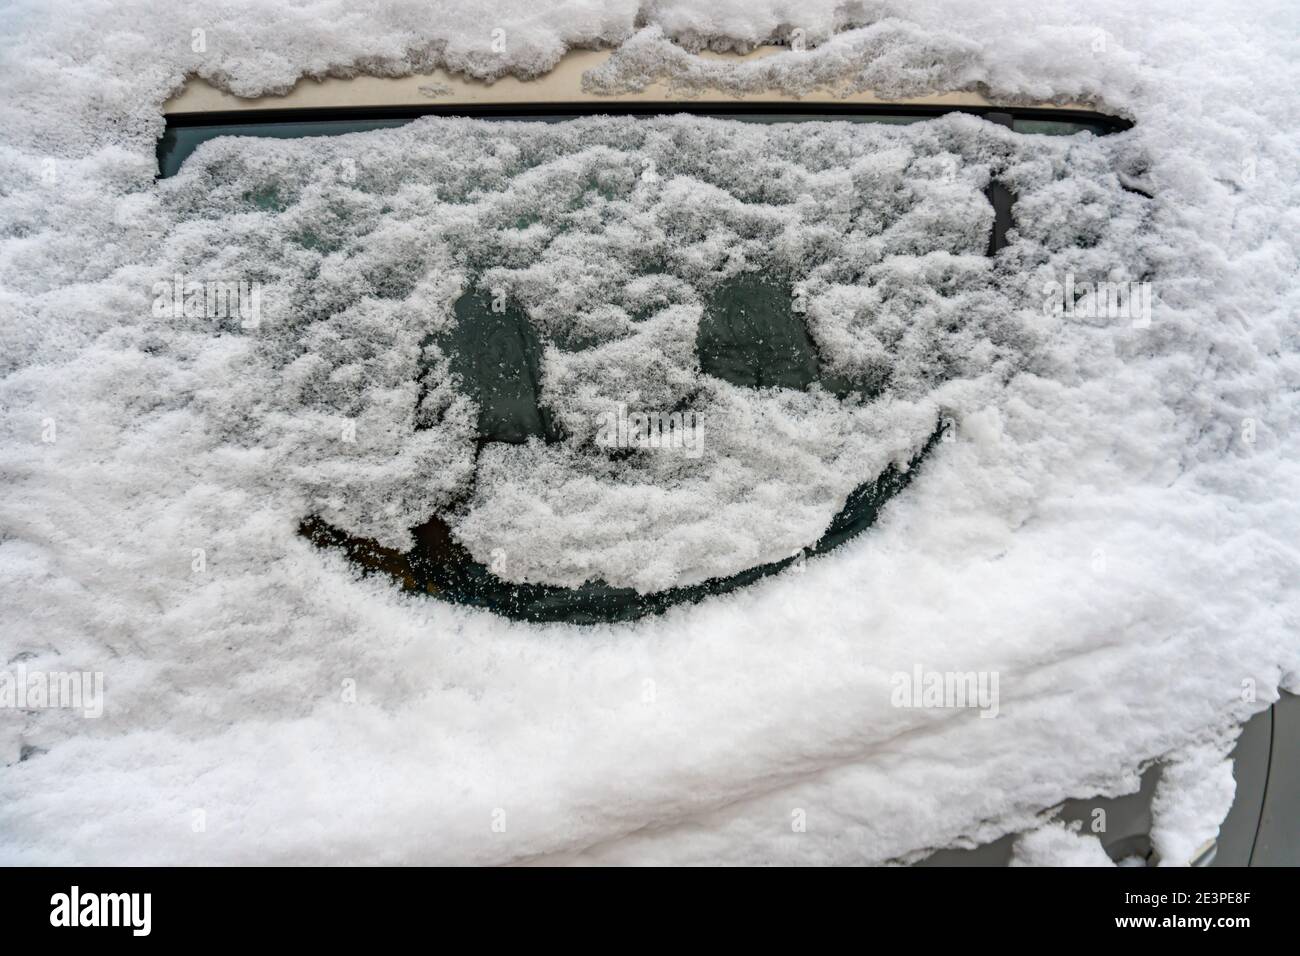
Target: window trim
(322, 114)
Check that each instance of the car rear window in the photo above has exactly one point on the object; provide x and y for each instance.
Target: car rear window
(534, 293)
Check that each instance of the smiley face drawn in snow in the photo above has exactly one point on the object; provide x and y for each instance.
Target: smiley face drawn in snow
(749, 339)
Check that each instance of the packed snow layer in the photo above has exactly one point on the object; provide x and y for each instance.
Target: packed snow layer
(1054, 844)
(1111, 529)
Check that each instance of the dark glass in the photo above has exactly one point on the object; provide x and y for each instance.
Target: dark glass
(179, 141)
(1056, 127)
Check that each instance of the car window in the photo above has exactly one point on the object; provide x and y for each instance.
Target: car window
(567, 299)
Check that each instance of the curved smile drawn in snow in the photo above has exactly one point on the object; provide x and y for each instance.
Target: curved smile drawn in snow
(749, 338)
(439, 566)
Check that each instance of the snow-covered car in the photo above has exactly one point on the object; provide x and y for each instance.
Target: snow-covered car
(648, 432)
(538, 374)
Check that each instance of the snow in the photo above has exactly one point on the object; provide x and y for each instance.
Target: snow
(1055, 844)
(1193, 797)
(1111, 530)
